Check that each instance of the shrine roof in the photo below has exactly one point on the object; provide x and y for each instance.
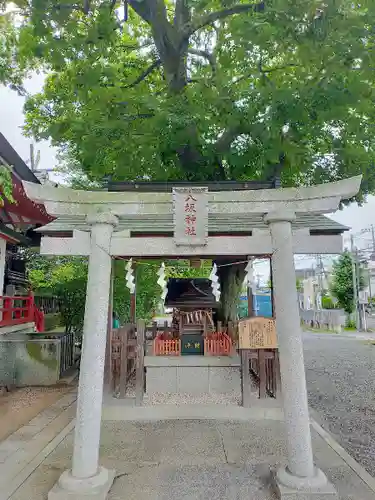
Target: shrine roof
(12, 236)
(24, 212)
(190, 293)
(9, 156)
(167, 187)
(217, 223)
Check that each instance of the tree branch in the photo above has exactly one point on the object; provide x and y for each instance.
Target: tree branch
(142, 8)
(222, 146)
(136, 46)
(145, 74)
(276, 170)
(222, 14)
(210, 57)
(141, 116)
(226, 139)
(67, 6)
(278, 68)
(181, 13)
(139, 79)
(86, 6)
(265, 77)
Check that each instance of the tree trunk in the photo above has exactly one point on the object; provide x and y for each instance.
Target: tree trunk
(231, 279)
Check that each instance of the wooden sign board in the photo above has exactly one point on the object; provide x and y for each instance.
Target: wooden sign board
(257, 333)
(192, 344)
(190, 216)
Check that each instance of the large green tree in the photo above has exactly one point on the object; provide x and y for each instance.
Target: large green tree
(203, 89)
(342, 282)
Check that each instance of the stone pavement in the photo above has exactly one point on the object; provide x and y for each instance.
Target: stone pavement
(23, 450)
(192, 459)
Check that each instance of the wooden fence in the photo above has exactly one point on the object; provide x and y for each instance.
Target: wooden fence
(49, 305)
(326, 319)
(67, 352)
(155, 329)
(166, 347)
(215, 344)
(263, 366)
(218, 344)
(127, 360)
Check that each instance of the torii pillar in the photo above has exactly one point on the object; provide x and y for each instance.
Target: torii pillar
(87, 479)
(300, 479)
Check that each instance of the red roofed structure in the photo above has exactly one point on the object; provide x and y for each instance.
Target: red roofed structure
(17, 223)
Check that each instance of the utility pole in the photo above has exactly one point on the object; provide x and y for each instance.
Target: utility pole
(368, 269)
(34, 159)
(369, 264)
(360, 305)
(319, 267)
(354, 254)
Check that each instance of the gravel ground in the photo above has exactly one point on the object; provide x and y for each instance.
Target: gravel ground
(340, 375)
(181, 399)
(201, 399)
(20, 406)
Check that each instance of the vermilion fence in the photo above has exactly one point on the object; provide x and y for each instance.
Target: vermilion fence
(218, 344)
(166, 347)
(20, 309)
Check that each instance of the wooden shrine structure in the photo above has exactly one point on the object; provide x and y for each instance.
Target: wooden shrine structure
(18, 222)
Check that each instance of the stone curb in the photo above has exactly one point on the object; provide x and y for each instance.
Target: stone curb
(348, 459)
(69, 379)
(26, 472)
(11, 485)
(189, 412)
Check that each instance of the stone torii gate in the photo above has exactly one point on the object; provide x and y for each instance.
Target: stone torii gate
(96, 221)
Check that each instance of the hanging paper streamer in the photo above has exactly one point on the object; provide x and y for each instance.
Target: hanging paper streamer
(130, 282)
(249, 276)
(215, 283)
(162, 282)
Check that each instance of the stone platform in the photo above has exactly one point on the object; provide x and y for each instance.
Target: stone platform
(191, 460)
(193, 375)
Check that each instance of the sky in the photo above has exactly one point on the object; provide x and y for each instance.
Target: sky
(12, 119)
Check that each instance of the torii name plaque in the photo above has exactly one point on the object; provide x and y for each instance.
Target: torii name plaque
(190, 216)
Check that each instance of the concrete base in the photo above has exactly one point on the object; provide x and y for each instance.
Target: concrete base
(289, 487)
(193, 375)
(93, 488)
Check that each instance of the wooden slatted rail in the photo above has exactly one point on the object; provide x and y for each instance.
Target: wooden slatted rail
(127, 359)
(263, 366)
(155, 329)
(218, 344)
(123, 346)
(166, 346)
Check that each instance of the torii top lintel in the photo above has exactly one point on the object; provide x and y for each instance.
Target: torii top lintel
(319, 199)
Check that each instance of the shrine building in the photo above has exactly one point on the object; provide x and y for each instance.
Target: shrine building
(18, 221)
